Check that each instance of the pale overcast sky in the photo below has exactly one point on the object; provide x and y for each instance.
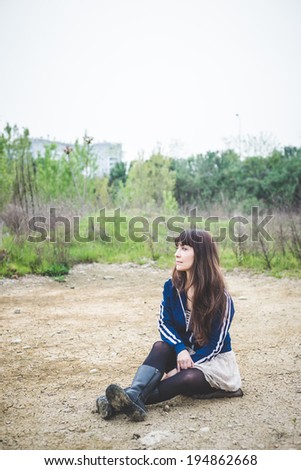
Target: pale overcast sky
(146, 71)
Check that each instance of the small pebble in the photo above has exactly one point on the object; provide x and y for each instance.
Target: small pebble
(205, 429)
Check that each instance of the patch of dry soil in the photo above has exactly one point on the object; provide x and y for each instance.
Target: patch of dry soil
(63, 343)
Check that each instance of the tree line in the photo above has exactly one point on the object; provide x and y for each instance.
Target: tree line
(214, 179)
(219, 183)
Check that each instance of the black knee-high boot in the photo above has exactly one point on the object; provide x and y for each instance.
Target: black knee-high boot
(106, 410)
(132, 399)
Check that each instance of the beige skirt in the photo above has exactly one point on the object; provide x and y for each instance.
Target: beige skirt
(222, 371)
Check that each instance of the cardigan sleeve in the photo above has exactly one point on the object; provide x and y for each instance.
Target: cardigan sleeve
(218, 336)
(166, 324)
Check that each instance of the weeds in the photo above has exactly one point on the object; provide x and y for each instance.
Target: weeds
(18, 256)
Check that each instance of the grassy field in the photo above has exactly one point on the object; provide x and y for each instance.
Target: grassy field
(139, 240)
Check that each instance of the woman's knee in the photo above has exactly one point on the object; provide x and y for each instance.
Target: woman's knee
(161, 346)
(194, 382)
(160, 356)
(192, 377)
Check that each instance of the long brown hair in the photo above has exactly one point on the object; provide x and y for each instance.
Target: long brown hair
(206, 280)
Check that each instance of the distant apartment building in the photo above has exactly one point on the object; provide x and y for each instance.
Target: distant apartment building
(107, 153)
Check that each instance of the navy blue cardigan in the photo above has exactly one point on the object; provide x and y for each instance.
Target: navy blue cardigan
(174, 331)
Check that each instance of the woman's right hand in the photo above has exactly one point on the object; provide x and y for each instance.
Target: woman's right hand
(184, 360)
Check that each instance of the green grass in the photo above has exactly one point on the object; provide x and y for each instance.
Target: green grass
(20, 257)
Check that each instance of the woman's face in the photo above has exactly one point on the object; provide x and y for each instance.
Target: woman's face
(184, 257)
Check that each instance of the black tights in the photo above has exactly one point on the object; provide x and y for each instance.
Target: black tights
(186, 382)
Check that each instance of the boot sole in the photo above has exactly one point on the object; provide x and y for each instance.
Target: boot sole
(104, 409)
(120, 401)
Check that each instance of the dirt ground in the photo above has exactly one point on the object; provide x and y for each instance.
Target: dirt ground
(63, 343)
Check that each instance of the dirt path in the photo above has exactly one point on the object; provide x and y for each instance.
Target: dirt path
(63, 343)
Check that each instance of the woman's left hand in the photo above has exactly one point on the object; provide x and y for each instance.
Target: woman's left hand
(184, 360)
(170, 373)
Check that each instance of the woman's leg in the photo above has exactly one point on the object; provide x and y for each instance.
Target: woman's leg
(162, 357)
(132, 399)
(187, 382)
